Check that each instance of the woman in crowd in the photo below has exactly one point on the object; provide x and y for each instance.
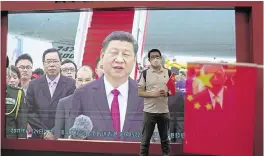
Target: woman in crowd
(14, 78)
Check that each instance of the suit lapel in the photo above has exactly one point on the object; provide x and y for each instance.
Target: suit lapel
(102, 104)
(59, 88)
(132, 106)
(45, 87)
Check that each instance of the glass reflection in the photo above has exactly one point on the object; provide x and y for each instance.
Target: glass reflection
(52, 111)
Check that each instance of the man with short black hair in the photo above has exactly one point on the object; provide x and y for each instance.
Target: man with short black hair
(112, 101)
(152, 87)
(68, 68)
(25, 64)
(44, 93)
(84, 76)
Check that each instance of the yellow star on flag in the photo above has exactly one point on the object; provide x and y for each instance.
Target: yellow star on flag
(205, 79)
(190, 97)
(209, 106)
(197, 105)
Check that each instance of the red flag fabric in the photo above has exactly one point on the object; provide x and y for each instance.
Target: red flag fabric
(171, 84)
(219, 118)
(29, 131)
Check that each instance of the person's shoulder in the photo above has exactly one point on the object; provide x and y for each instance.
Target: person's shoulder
(65, 78)
(37, 81)
(14, 88)
(85, 88)
(167, 69)
(66, 98)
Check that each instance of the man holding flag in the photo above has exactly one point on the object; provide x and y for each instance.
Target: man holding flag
(155, 85)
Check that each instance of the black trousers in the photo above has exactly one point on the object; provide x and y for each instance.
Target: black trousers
(149, 122)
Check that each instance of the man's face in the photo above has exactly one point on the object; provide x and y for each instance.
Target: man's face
(52, 64)
(218, 74)
(68, 70)
(84, 76)
(25, 68)
(155, 59)
(118, 59)
(99, 69)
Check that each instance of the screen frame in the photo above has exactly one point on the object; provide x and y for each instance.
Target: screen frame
(249, 48)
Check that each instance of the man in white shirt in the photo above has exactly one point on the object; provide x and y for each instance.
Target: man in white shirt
(84, 75)
(25, 64)
(44, 93)
(112, 101)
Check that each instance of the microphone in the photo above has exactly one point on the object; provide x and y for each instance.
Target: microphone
(81, 128)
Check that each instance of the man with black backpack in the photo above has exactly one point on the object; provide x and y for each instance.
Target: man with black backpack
(152, 87)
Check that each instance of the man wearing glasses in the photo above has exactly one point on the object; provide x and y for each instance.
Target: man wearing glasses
(24, 63)
(44, 93)
(68, 68)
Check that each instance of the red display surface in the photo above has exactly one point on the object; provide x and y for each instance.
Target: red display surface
(249, 48)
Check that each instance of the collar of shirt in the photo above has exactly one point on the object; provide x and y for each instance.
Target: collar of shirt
(123, 99)
(123, 89)
(157, 71)
(220, 96)
(55, 80)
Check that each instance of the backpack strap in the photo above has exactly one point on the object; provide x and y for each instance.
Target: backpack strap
(169, 72)
(19, 96)
(144, 74)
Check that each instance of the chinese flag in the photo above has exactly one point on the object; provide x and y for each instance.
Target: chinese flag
(219, 118)
(171, 84)
(29, 131)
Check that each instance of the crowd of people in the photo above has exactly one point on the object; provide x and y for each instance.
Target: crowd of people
(47, 103)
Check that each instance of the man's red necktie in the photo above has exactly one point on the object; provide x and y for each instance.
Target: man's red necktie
(115, 113)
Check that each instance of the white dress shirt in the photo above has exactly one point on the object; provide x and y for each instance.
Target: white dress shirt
(52, 88)
(220, 97)
(122, 99)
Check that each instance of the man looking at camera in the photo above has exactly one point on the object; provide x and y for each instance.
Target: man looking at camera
(152, 87)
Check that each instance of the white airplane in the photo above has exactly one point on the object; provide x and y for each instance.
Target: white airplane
(188, 33)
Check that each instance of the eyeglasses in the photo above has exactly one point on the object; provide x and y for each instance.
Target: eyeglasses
(25, 67)
(51, 62)
(66, 70)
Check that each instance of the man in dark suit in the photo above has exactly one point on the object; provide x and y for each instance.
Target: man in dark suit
(112, 101)
(43, 94)
(62, 122)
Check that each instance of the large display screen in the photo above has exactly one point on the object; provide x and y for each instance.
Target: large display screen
(75, 75)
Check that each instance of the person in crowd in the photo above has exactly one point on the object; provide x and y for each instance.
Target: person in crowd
(99, 68)
(44, 93)
(37, 73)
(15, 115)
(68, 68)
(176, 108)
(24, 63)
(85, 75)
(153, 88)
(14, 78)
(112, 102)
